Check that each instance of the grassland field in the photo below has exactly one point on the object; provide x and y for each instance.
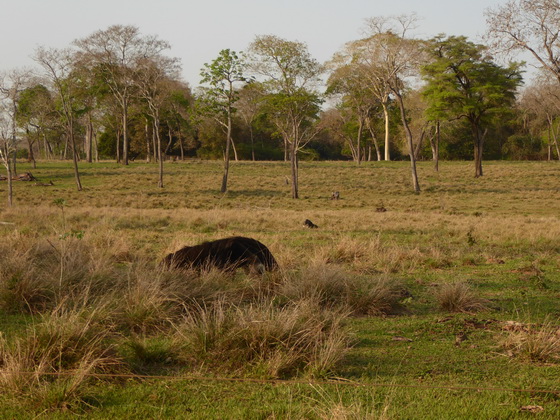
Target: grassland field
(497, 236)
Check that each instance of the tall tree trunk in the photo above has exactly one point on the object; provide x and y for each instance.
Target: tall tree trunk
(386, 117)
(14, 160)
(47, 145)
(294, 169)
(64, 153)
(125, 132)
(359, 140)
(170, 137)
(181, 145)
(118, 145)
(434, 143)
(415, 183)
(156, 130)
(234, 150)
(478, 148)
(95, 147)
(155, 136)
(147, 136)
(89, 139)
(10, 186)
(418, 145)
(74, 155)
(6, 158)
(31, 154)
(374, 139)
(554, 135)
(223, 189)
(252, 142)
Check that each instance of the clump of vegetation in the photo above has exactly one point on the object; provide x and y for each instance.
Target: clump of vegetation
(264, 339)
(459, 297)
(538, 343)
(55, 357)
(333, 287)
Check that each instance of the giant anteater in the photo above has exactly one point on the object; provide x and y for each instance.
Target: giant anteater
(225, 254)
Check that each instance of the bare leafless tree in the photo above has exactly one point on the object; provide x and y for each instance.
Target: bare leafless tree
(394, 58)
(58, 65)
(152, 78)
(527, 25)
(6, 149)
(12, 84)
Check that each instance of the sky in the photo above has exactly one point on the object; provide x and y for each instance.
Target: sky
(198, 30)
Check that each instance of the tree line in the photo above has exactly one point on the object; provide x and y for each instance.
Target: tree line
(117, 94)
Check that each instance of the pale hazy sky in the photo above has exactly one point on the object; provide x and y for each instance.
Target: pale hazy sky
(198, 30)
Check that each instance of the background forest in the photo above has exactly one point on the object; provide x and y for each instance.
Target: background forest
(116, 94)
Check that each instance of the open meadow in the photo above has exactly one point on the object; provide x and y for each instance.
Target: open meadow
(441, 305)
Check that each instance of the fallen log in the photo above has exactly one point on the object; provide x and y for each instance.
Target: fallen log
(44, 184)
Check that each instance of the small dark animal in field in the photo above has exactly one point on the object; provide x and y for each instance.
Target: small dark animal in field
(309, 224)
(335, 195)
(381, 208)
(225, 254)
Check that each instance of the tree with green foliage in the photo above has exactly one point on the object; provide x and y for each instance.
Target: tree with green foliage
(355, 105)
(223, 75)
(463, 82)
(249, 106)
(113, 54)
(178, 112)
(292, 103)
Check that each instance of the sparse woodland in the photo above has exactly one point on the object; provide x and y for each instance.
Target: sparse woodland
(435, 299)
(118, 94)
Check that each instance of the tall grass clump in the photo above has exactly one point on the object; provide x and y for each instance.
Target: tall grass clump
(53, 360)
(263, 339)
(538, 343)
(459, 297)
(332, 287)
(36, 275)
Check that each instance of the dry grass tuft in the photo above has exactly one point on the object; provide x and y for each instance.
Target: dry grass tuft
(332, 286)
(52, 361)
(263, 339)
(537, 343)
(459, 297)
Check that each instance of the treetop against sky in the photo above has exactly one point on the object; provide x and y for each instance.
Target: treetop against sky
(197, 31)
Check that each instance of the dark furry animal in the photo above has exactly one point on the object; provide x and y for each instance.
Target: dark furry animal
(309, 224)
(226, 254)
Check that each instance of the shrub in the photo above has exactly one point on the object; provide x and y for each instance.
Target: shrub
(263, 339)
(537, 343)
(459, 297)
(54, 358)
(331, 286)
